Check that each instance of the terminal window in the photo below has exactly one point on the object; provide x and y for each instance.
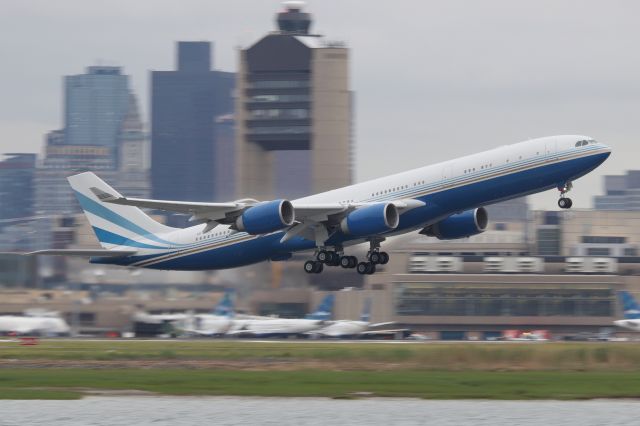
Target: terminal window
(503, 302)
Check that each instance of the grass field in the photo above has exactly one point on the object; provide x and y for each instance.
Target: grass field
(445, 356)
(73, 383)
(61, 369)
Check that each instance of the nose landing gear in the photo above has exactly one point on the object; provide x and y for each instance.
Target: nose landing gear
(565, 202)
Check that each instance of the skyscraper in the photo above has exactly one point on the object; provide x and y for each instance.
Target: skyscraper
(293, 112)
(100, 117)
(95, 105)
(133, 165)
(16, 185)
(184, 106)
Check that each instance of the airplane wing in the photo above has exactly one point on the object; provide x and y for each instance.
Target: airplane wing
(384, 332)
(308, 217)
(83, 252)
(381, 324)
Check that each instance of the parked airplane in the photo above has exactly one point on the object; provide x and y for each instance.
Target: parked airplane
(444, 200)
(362, 328)
(44, 324)
(282, 327)
(631, 310)
(216, 323)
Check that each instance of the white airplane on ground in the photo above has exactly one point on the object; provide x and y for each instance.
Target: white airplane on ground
(362, 328)
(217, 323)
(46, 324)
(444, 200)
(282, 327)
(631, 310)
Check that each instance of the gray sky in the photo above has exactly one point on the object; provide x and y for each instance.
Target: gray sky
(433, 80)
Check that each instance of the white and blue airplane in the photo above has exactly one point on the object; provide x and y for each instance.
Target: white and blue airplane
(354, 329)
(631, 311)
(444, 200)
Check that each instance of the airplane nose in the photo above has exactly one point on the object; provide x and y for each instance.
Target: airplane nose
(605, 149)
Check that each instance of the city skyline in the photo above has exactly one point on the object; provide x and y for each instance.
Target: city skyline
(446, 76)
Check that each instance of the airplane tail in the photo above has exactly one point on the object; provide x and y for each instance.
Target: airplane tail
(630, 306)
(366, 310)
(324, 310)
(116, 225)
(225, 308)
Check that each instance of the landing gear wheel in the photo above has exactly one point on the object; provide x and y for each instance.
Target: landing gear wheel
(375, 258)
(362, 268)
(309, 266)
(565, 203)
(323, 256)
(354, 262)
(384, 258)
(345, 262)
(371, 268)
(318, 267)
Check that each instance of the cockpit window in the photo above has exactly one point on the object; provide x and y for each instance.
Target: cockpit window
(586, 142)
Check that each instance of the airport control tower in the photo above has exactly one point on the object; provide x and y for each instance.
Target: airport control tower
(294, 112)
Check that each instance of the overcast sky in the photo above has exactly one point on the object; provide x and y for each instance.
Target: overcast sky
(433, 80)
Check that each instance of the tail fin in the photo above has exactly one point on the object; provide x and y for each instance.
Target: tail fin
(225, 308)
(366, 310)
(324, 310)
(116, 225)
(630, 306)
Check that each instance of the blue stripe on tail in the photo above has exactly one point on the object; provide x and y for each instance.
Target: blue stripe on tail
(95, 208)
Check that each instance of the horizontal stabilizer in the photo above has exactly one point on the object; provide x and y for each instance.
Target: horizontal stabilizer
(83, 252)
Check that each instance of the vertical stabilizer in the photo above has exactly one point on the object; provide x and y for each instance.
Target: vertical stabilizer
(366, 310)
(324, 310)
(630, 306)
(225, 308)
(116, 225)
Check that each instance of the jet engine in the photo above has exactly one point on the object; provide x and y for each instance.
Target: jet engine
(371, 220)
(460, 225)
(265, 217)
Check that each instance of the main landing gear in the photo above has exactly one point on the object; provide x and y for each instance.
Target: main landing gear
(336, 258)
(565, 202)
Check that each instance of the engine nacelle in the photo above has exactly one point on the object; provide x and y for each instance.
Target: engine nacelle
(459, 225)
(266, 217)
(371, 220)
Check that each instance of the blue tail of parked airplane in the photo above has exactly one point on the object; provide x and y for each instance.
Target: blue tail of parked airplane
(225, 308)
(366, 310)
(324, 310)
(630, 306)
